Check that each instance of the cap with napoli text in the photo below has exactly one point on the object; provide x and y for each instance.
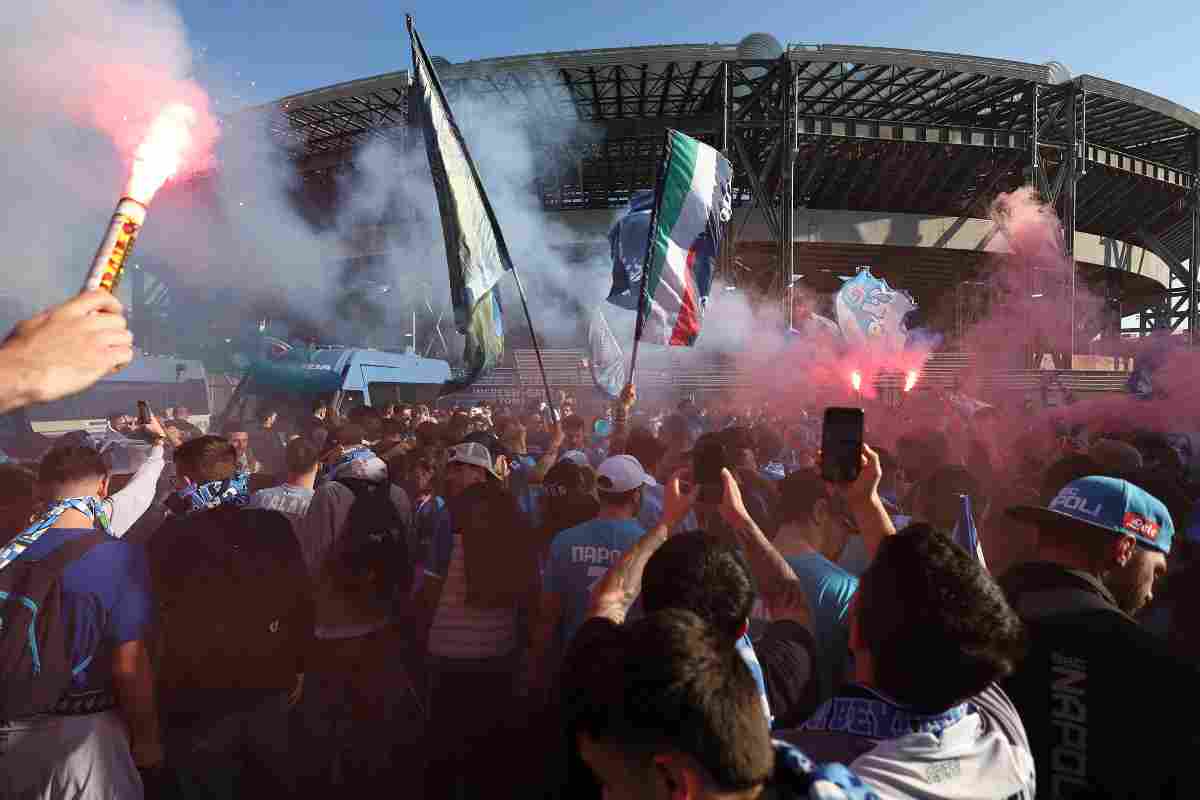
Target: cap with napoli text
(1110, 504)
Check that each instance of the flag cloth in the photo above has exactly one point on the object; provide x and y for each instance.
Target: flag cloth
(692, 203)
(476, 254)
(965, 532)
(871, 314)
(627, 241)
(605, 357)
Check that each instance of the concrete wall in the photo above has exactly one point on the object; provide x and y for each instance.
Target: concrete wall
(911, 230)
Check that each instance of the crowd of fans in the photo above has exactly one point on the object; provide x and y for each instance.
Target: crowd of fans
(443, 602)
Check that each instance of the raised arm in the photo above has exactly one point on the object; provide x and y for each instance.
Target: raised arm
(129, 504)
(779, 585)
(618, 590)
(874, 522)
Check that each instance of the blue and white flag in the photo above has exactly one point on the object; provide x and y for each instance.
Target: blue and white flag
(871, 314)
(606, 359)
(627, 240)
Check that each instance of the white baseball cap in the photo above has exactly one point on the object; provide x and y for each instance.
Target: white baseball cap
(472, 453)
(622, 473)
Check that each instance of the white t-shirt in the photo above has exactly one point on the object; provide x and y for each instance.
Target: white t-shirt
(975, 757)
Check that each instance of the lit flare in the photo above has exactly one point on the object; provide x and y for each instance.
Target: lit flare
(162, 152)
(856, 380)
(910, 380)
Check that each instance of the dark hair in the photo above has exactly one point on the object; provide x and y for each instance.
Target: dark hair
(935, 622)
(939, 496)
(574, 422)
(798, 495)
(428, 433)
(675, 430)
(348, 435)
(684, 688)
(188, 430)
(617, 499)
(369, 419)
(645, 447)
(206, 459)
(70, 463)
(1066, 470)
(16, 497)
(302, 455)
(703, 574)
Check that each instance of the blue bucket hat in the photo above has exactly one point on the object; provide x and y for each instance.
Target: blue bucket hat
(1110, 504)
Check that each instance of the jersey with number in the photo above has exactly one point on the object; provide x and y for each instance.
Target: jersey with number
(579, 557)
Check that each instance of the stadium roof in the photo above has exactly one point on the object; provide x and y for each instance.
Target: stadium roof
(876, 129)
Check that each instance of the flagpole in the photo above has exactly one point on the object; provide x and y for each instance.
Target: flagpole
(658, 186)
(537, 350)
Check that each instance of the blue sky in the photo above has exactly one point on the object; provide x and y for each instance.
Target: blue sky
(260, 50)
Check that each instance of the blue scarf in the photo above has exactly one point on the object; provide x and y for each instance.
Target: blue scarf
(357, 454)
(865, 712)
(90, 507)
(746, 650)
(200, 497)
(796, 772)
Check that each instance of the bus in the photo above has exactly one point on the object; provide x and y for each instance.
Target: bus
(162, 381)
(341, 378)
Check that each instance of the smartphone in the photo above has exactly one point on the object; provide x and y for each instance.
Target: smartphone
(841, 444)
(143, 412)
(708, 459)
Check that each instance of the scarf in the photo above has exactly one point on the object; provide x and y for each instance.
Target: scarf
(800, 777)
(746, 650)
(357, 454)
(862, 711)
(90, 507)
(200, 497)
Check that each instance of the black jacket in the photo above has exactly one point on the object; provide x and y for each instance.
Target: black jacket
(236, 607)
(1108, 709)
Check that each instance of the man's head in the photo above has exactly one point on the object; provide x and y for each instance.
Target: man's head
(467, 464)
(179, 431)
(513, 435)
(302, 457)
(680, 716)
(206, 459)
(702, 574)
(929, 626)
(121, 422)
(342, 440)
(937, 499)
(646, 448)
(240, 439)
(1110, 528)
(574, 433)
(808, 507)
(72, 471)
(619, 482)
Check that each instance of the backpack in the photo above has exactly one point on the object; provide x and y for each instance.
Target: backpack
(374, 514)
(35, 656)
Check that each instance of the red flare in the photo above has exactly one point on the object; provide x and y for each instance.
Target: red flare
(910, 380)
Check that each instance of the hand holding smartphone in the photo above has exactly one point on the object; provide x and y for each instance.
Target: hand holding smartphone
(708, 459)
(144, 414)
(842, 444)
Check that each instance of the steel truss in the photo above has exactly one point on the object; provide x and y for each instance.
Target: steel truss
(823, 127)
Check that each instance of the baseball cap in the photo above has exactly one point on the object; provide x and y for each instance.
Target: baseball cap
(1110, 504)
(622, 473)
(577, 457)
(490, 441)
(472, 453)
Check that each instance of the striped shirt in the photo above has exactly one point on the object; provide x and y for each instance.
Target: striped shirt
(459, 631)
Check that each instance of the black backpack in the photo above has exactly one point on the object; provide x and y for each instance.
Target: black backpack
(374, 514)
(35, 655)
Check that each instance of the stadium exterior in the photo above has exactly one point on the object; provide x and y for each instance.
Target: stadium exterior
(884, 156)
